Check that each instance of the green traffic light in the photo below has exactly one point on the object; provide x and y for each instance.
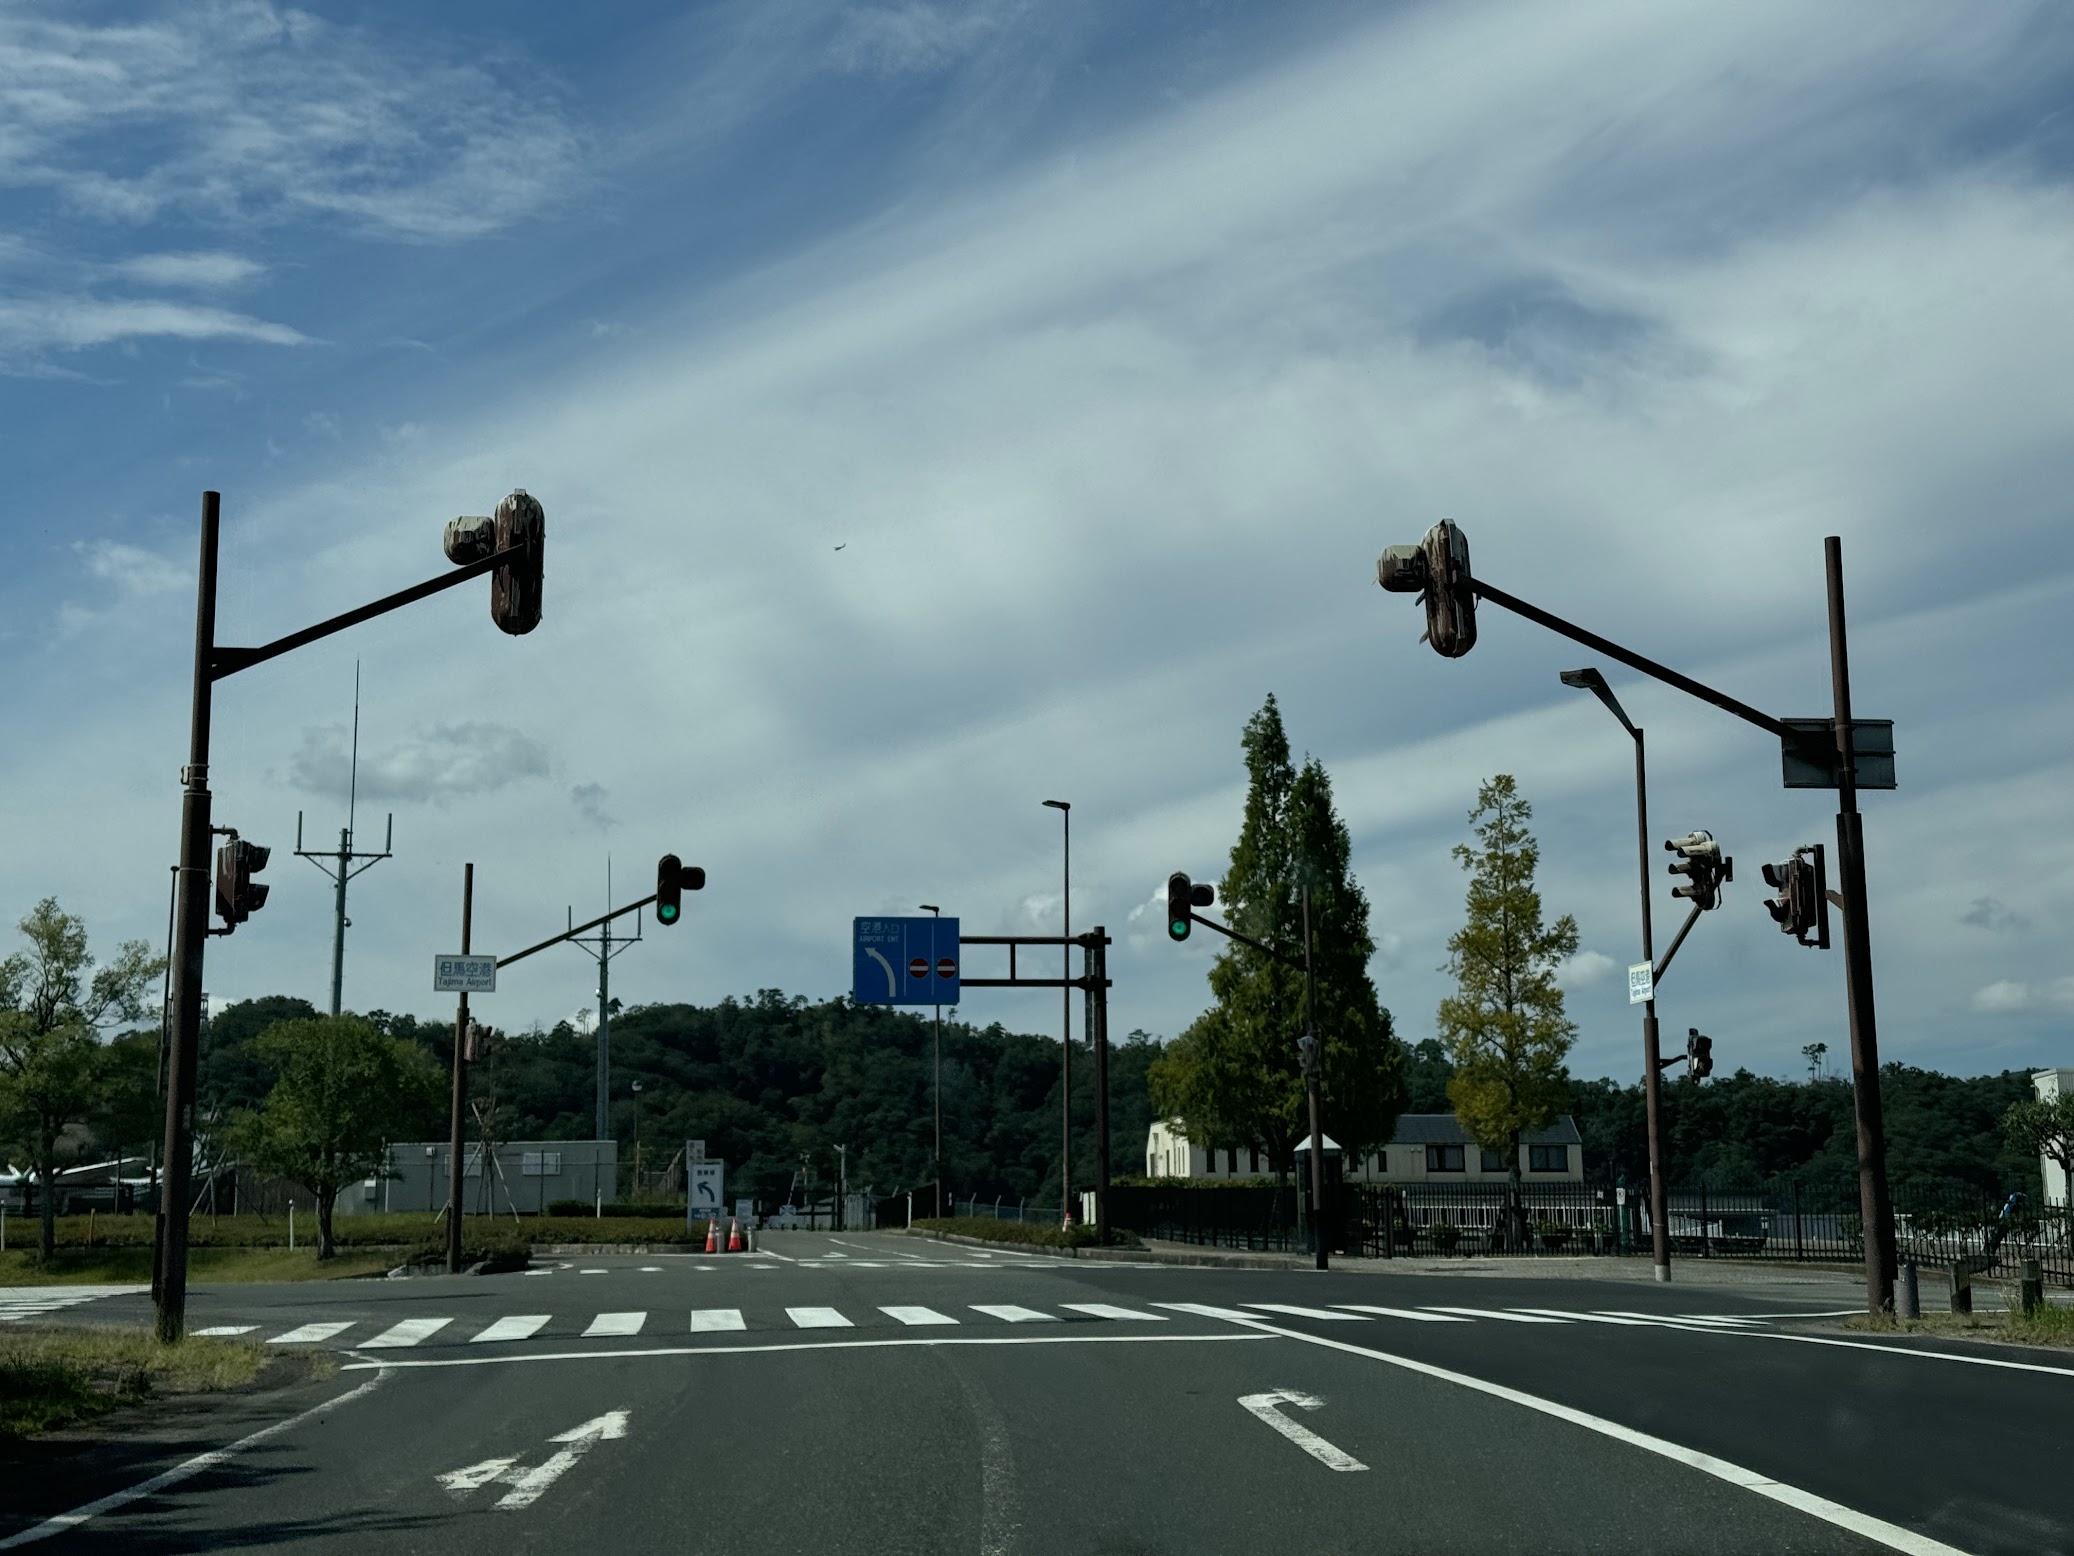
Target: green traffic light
(667, 913)
(1178, 929)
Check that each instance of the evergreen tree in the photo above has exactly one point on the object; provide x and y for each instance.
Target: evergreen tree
(1504, 1025)
(1233, 1077)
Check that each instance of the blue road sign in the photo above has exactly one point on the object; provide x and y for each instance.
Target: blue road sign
(905, 961)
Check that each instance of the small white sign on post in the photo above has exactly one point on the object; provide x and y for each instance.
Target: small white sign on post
(694, 1150)
(458, 974)
(1641, 984)
(706, 1185)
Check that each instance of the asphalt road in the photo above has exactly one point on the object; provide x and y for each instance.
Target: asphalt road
(879, 1394)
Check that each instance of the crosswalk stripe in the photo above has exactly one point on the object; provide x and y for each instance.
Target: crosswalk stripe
(411, 1331)
(1308, 1312)
(1205, 1310)
(311, 1334)
(1414, 1314)
(224, 1331)
(1109, 1310)
(1585, 1318)
(1661, 1318)
(1009, 1313)
(918, 1315)
(1492, 1312)
(520, 1326)
(818, 1318)
(704, 1320)
(616, 1324)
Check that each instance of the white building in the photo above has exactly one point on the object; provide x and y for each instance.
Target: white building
(2047, 1084)
(1425, 1148)
(525, 1175)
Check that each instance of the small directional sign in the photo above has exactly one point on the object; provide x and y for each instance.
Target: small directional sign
(457, 974)
(1641, 983)
(905, 961)
(707, 1185)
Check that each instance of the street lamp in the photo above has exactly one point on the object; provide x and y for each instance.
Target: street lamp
(933, 909)
(1065, 810)
(1652, 1088)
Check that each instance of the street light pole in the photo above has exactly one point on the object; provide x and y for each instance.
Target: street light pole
(1065, 810)
(932, 909)
(1652, 1069)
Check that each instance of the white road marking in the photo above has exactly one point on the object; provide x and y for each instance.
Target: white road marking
(651, 1269)
(705, 1266)
(526, 1489)
(411, 1331)
(224, 1330)
(1066, 1338)
(763, 1266)
(818, 1318)
(591, 1272)
(1009, 1313)
(1492, 1312)
(1586, 1318)
(184, 1470)
(1109, 1310)
(917, 1315)
(475, 1476)
(311, 1334)
(1893, 1536)
(616, 1324)
(1263, 1407)
(520, 1326)
(1204, 1310)
(1308, 1312)
(1412, 1313)
(707, 1319)
(20, 1302)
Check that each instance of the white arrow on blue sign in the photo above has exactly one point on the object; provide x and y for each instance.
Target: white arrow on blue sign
(905, 961)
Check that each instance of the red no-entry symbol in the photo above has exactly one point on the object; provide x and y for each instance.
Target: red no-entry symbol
(918, 968)
(947, 967)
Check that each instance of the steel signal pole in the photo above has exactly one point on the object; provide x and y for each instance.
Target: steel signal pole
(1065, 810)
(932, 909)
(460, 1105)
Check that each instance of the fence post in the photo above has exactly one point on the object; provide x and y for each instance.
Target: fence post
(1704, 1239)
(1799, 1253)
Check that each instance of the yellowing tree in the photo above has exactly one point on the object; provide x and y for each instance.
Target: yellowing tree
(1504, 1024)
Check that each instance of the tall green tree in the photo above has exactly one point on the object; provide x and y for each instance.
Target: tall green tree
(2044, 1127)
(1233, 1077)
(1504, 1024)
(342, 1091)
(53, 1003)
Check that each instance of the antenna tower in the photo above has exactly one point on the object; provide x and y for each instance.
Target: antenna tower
(339, 865)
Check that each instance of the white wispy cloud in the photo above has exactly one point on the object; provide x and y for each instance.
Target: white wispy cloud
(443, 763)
(201, 271)
(32, 324)
(2010, 996)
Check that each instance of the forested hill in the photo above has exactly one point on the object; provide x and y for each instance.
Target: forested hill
(766, 1080)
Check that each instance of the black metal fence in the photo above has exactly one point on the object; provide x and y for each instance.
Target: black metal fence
(1789, 1221)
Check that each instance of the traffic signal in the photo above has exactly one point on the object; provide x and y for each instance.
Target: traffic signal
(1183, 897)
(1437, 570)
(238, 896)
(1802, 905)
(672, 880)
(1700, 862)
(515, 586)
(1699, 1054)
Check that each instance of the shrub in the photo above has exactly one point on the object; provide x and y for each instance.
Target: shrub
(498, 1252)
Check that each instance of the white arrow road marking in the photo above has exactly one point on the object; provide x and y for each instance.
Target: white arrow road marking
(892, 983)
(1263, 1406)
(528, 1484)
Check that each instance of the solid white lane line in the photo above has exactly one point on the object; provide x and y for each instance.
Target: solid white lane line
(818, 1318)
(1587, 1318)
(766, 1266)
(1295, 1311)
(1263, 1406)
(1009, 1313)
(311, 1334)
(1492, 1312)
(519, 1326)
(410, 1332)
(1893, 1536)
(616, 1324)
(918, 1315)
(705, 1320)
(1414, 1314)
(182, 1471)
(590, 1272)
(1066, 1337)
(1110, 1310)
(225, 1330)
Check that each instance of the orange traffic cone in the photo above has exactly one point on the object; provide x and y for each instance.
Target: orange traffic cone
(734, 1236)
(713, 1235)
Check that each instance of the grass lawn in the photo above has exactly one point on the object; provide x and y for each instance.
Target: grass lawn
(131, 1266)
(2052, 1325)
(54, 1377)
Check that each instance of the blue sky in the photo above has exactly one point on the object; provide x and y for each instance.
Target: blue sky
(1111, 342)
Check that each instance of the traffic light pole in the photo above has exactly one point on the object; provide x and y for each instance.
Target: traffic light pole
(213, 663)
(457, 1118)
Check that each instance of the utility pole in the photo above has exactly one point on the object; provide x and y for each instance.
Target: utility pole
(1065, 810)
(338, 866)
(602, 947)
(1313, 1064)
(456, 1119)
(937, 1092)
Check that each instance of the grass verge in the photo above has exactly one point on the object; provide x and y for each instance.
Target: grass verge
(1037, 1234)
(132, 1266)
(51, 1377)
(2051, 1326)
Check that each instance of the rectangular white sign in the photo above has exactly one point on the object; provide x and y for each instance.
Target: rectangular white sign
(458, 974)
(1641, 984)
(706, 1182)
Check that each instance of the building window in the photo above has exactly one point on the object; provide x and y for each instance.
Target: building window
(1493, 1161)
(1548, 1158)
(540, 1164)
(1444, 1158)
